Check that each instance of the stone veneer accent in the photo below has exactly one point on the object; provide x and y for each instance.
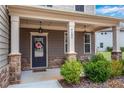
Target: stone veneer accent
(4, 76)
(55, 62)
(116, 55)
(70, 56)
(15, 68)
(25, 64)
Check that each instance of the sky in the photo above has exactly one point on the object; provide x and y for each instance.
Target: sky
(110, 10)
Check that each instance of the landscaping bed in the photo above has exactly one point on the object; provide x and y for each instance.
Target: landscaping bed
(117, 82)
(98, 72)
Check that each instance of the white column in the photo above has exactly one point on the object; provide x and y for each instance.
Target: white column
(71, 37)
(14, 34)
(116, 33)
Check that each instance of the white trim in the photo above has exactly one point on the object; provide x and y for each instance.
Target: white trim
(87, 43)
(65, 38)
(38, 34)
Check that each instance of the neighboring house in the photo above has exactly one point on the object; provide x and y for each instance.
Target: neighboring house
(44, 36)
(104, 39)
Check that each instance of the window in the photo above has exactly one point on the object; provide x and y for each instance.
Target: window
(101, 33)
(105, 33)
(101, 45)
(87, 43)
(49, 6)
(65, 42)
(79, 8)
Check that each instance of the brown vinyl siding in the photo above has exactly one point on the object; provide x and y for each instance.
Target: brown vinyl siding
(25, 43)
(79, 44)
(93, 43)
(56, 43)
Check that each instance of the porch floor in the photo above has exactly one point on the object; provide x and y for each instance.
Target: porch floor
(42, 79)
(49, 74)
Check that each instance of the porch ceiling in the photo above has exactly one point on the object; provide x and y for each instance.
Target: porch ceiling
(57, 20)
(60, 26)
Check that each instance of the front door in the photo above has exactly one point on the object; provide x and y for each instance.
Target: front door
(39, 59)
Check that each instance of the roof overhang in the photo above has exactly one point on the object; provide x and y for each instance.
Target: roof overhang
(42, 13)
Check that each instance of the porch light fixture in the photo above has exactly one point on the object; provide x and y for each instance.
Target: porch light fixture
(40, 29)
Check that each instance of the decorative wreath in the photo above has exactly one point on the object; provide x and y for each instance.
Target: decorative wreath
(38, 45)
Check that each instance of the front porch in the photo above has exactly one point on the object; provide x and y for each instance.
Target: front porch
(57, 47)
(68, 36)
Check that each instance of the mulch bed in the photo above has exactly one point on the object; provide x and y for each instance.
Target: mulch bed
(117, 82)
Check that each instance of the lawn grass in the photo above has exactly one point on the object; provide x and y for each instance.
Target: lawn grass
(107, 55)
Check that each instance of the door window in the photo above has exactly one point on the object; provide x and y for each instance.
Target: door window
(38, 47)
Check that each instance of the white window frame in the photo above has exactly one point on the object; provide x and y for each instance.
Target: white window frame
(87, 43)
(65, 42)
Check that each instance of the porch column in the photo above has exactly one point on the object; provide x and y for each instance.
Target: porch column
(116, 53)
(15, 56)
(71, 54)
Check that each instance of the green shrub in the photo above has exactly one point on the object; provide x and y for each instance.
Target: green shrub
(97, 57)
(71, 71)
(109, 49)
(122, 67)
(117, 68)
(98, 71)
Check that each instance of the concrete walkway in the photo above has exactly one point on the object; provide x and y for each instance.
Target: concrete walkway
(41, 84)
(44, 79)
(49, 74)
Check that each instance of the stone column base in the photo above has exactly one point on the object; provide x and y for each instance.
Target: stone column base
(116, 55)
(15, 68)
(71, 56)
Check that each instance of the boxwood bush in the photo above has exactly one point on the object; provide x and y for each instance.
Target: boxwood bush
(117, 68)
(98, 71)
(71, 71)
(122, 61)
(97, 57)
